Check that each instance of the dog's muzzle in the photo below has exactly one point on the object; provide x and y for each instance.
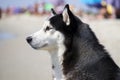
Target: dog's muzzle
(34, 45)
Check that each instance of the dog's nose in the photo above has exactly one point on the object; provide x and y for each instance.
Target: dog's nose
(29, 39)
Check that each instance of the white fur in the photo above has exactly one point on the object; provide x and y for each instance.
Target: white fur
(53, 41)
(57, 58)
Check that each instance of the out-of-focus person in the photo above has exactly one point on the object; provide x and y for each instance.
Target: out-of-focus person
(8, 11)
(57, 2)
(116, 5)
(58, 5)
(0, 13)
(48, 7)
(36, 6)
(90, 6)
(105, 11)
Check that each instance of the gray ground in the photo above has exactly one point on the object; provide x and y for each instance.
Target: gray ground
(18, 61)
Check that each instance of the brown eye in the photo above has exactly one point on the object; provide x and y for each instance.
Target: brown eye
(47, 28)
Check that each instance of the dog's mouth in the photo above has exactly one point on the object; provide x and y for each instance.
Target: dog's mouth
(39, 47)
(44, 45)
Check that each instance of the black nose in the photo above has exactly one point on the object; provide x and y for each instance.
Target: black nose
(29, 39)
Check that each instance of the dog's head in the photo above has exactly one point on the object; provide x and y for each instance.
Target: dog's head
(53, 31)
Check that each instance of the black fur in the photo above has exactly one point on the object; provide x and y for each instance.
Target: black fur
(85, 58)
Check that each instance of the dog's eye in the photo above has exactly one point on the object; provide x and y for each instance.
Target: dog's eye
(47, 28)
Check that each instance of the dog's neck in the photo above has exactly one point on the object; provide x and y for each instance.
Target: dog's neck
(57, 60)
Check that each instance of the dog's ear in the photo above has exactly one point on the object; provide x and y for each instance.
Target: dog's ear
(53, 12)
(65, 14)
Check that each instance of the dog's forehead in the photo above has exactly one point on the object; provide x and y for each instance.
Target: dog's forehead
(52, 20)
(47, 23)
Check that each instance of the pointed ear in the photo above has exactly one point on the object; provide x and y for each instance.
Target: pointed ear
(65, 14)
(53, 12)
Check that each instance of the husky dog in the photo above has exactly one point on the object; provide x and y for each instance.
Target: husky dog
(75, 51)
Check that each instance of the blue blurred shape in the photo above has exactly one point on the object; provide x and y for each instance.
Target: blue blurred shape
(90, 2)
(6, 35)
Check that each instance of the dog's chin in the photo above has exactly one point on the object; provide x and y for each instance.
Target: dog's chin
(36, 48)
(44, 47)
(39, 47)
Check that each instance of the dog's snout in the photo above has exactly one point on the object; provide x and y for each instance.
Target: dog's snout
(29, 39)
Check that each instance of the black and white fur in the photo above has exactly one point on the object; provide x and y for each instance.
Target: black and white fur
(75, 51)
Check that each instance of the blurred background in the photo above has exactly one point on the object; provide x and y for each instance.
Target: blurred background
(20, 18)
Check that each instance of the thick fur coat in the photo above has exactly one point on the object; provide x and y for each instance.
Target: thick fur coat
(84, 57)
